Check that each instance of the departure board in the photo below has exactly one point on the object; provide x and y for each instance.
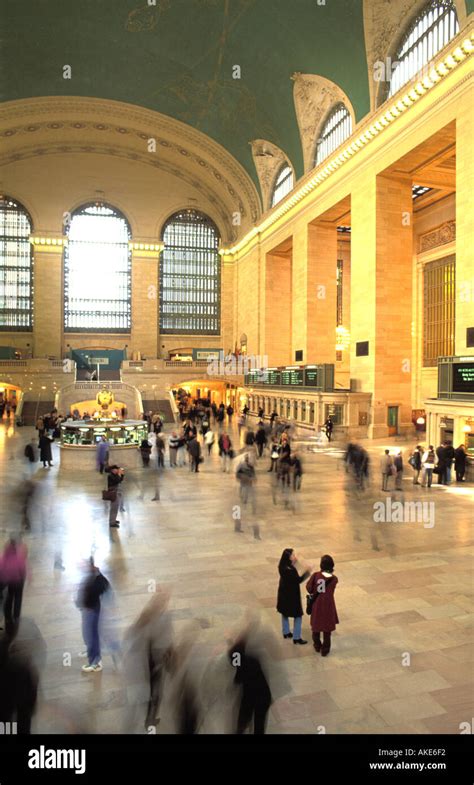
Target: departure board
(463, 377)
(318, 377)
(312, 377)
(271, 376)
(292, 377)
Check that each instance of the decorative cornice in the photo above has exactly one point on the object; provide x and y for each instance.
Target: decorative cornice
(50, 244)
(445, 233)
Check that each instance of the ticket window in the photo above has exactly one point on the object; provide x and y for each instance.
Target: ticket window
(311, 413)
(469, 444)
(303, 411)
(295, 410)
(336, 412)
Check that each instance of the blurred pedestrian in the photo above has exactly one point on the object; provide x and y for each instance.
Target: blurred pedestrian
(260, 440)
(398, 463)
(194, 449)
(102, 453)
(13, 571)
(145, 451)
(209, 440)
(246, 476)
(88, 600)
(256, 696)
(173, 444)
(45, 449)
(386, 466)
(296, 469)
(115, 476)
(460, 460)
(225, 450)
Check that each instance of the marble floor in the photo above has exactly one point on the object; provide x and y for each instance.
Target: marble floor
(402, 657)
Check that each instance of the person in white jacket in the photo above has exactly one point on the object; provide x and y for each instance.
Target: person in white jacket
(209, 440)
(428, 463)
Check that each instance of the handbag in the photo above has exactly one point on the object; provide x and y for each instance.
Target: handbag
(109, 495)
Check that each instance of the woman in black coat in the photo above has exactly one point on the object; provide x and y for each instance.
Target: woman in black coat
(289, 597)
(45, 449)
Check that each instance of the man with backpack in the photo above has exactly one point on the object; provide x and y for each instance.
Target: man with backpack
(415, 462)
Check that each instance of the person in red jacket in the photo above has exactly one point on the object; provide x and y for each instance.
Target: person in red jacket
(324, 618)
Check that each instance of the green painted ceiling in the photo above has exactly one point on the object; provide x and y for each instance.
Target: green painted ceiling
(177, 57)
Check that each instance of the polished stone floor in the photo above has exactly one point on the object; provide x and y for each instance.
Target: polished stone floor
(402, 658)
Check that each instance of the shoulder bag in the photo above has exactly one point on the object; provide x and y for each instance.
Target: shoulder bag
(109, 495)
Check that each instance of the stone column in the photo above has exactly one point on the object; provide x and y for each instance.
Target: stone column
(464, 235)
(48, 307)
(381, 296)
(314, 288)
(145, 300)
(278, 297)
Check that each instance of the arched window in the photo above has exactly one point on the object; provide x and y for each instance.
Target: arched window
(283, 184)
(190, 277)
(16, 267)
(429, 33)
(97, 263)
(336, 129)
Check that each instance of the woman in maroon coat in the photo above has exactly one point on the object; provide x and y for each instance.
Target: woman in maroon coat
(324, 617)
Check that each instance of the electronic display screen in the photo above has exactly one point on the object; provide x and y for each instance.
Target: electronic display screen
(463, 377)
(311, 377)
(293, 378)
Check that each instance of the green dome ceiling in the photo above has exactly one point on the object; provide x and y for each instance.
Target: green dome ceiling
(177, 57)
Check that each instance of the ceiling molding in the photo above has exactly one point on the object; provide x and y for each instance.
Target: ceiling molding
(115, 128)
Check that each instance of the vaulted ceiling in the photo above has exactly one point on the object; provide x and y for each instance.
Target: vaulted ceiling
(178, 57)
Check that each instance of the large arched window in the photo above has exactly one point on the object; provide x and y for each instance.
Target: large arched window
(97, 263)
(336, 129)
(190, 278)
(16, 267)
(429, 33)
(283, 184)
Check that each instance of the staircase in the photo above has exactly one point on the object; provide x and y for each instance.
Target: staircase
(161, 406)
(31, 410)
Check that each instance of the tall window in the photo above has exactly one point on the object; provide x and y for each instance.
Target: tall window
(97, 264)
(16, 267)
(336, 129)
(430, 32)
(438, 309)
(283, 184)
(190, 278)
